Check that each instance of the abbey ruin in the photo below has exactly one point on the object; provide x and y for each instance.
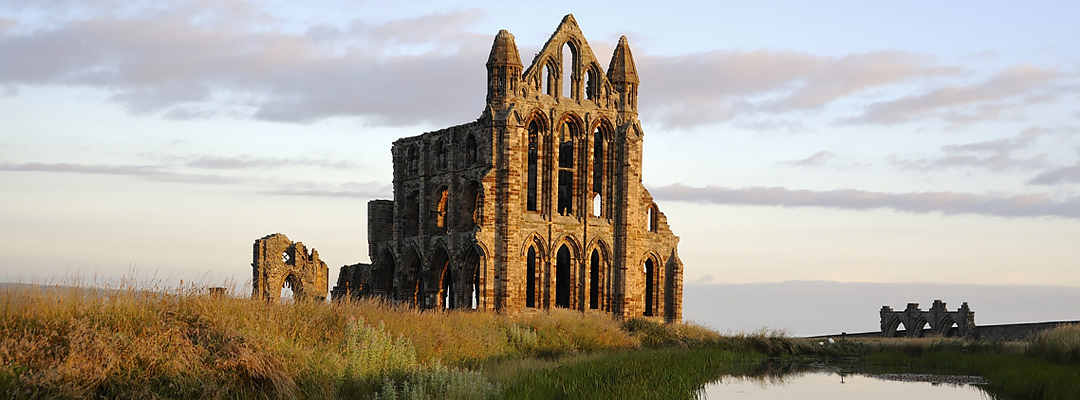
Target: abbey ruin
(536, 204)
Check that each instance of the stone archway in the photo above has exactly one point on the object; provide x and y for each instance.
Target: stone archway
(278, 261)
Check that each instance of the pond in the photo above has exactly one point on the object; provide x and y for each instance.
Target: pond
(831, 385)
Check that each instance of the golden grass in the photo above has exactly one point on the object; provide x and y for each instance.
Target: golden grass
(78, 343)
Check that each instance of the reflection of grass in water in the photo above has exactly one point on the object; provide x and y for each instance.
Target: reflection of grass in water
(1041, 369)
(650, 374)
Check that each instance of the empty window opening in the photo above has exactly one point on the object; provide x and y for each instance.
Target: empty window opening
(530, 278)
(594, 280)
(440, 155)
(474, 298)
(384, 280)
(598, 160)
(592, 88)
(562, 278)
(649, 287)
(447, 294)
(440, 209)
(412, 214)
(470, 150)
(597, 205)
(471, 202)
(547, 80)
(413, 161)
(286, 257)
(566, 170)
(534, 150)
(289, 289)
(569, 59)
(650, 218)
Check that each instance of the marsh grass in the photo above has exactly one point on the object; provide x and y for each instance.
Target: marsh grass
(1061, 344)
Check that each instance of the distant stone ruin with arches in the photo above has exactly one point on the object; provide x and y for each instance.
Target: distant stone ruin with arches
(278, 262)
(942, 322)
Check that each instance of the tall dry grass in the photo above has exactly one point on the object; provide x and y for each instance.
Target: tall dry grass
(1060, 344)
(77, 342)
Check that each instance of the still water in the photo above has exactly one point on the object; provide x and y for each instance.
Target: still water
(816, 385)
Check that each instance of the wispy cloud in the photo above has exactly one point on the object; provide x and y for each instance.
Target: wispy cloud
(364, 190)
(199, 59)
(1008, 90)
(950, 203)
(1060, 175)
(994, 155)
(815, 160)
(147, 172)
(716, 86)
(246, 162)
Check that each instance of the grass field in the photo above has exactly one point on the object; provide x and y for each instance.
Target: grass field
(70, 342)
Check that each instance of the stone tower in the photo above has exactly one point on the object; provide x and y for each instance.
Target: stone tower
(536, 204)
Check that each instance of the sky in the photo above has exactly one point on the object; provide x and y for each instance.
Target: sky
(847, 141)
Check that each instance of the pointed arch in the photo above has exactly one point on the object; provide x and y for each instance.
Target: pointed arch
(890, 325)
(650, 269)
(473, 267)
(568, 137)
(567, 263)
(602, 134)
(535, 132)
(471, 157)
(569, 74)
(534, 256)
(443, 273)
(385, 269)
(411, 290)
(593, 76)
(598, 275)
(917, 326)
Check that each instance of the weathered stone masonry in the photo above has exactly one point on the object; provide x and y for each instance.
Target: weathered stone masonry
(277, 262)
(536, 204)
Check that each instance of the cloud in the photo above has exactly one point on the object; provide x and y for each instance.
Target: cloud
(716, 86)
(994, 155)
(949, 203)
(815, 160)
(147, 172)
(248, 162)
(365, 190)
(1009, 90)
(1060, 175)
(201, 59)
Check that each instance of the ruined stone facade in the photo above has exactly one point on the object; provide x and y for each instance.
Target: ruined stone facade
(536, 204)
(959, 323)
(278, 262)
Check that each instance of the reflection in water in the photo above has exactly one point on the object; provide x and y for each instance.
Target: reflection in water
(832, 385)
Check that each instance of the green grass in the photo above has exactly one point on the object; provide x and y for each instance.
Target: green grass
(642, 374)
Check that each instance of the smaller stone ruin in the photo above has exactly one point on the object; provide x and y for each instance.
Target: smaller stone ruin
(959, 323)
(278, 262)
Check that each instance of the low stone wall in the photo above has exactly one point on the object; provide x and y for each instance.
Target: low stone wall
(1000, 332)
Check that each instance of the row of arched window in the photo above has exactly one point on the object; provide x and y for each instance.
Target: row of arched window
(572, 156)
(469, 205)
(597, 288)
(561, 77)
(439, 156)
